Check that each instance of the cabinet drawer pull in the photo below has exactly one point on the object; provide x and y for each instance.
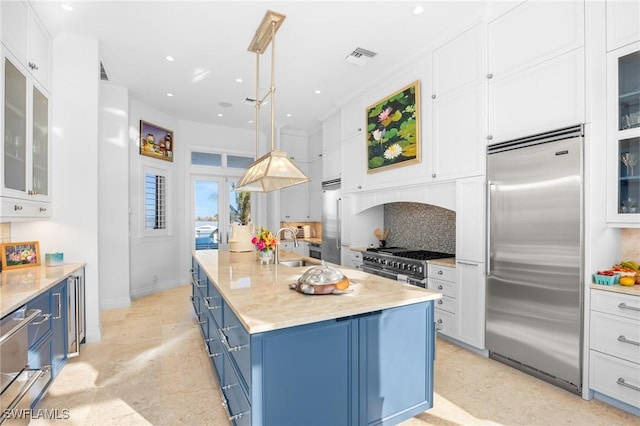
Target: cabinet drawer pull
(623, 339)
(198, 284)
(206, 348)
(467, 263)
(440, 302)
(227, 387)
(225, 343)
(439, 287)
(211, 308)
(45, 317)
(622, 382)
(625, 306)
(440, 272)
(231, 417)
(17, 207)
(43, 209)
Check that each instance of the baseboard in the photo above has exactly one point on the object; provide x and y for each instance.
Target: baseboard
(153, 288)
(115, 303)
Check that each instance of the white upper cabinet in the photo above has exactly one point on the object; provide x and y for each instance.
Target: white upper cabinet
(27, 39)
(331, 132)
(459, 63)
(315, 190)
(294, 200)
(536, 69)
(355, 168)
(459, 105)
(532, 33)
(353, 118)
(296, 146)
(623, 23)
(315, 145)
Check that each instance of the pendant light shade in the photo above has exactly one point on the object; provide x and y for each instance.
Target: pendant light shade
(274, 170)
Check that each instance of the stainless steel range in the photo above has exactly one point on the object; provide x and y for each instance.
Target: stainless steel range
(401, 264)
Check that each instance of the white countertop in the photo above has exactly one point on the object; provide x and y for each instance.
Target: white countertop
(20, 285)
(260, 296)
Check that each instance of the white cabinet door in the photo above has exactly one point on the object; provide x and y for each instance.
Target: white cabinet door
(331, 163)
(331, 132)
(315, 190)
(547, 96)
(460, 62)
(294, 200)
(471, 303)
(315, 146)
(296, 146)
(353, 118)
(459, 129)
(533, 32)
(345, 214)
(470, 219)
(15, 21)
(353, 158)
(623, 23)
(39, 50)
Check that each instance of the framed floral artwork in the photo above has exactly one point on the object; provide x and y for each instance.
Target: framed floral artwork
(393, 130)
(20, 255)
(155, 141)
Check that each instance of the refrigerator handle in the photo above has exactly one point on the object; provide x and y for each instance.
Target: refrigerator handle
(339, 217)
(488, 227)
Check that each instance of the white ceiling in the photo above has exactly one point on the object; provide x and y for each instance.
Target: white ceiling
(209, 41)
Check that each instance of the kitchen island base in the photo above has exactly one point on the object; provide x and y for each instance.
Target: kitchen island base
(373, 368)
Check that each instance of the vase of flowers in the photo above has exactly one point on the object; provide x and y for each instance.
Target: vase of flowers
(265, 242)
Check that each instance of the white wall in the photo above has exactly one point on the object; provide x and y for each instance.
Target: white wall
(113, 196)
(73, 228)
(154, 260)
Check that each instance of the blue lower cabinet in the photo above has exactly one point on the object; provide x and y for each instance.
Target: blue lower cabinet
(237, 342)
(215, 349)
(40, 358)
(59, 325)
(306, 375)
(42, 324)
(401, 339)
(235, 399)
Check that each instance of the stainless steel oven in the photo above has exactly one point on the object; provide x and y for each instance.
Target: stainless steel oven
(400, 264)
(16, 379)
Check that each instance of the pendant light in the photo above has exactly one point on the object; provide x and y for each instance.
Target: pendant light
(274, 170)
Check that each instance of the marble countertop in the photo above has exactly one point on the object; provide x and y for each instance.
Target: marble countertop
(449, 262)
(633, 290)
(309, 240)
(21, 285)
(260, 296)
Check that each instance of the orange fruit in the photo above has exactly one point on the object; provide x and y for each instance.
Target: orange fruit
(627, 280)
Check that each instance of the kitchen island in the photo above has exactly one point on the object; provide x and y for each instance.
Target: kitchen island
(284, 358)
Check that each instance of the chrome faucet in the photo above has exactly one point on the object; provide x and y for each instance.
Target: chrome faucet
(295, 241)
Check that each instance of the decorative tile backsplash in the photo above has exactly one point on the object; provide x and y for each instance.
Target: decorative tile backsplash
(5, 232)
(420, 226)
(630, 244)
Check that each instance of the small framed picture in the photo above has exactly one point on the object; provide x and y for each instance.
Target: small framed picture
(20, 255)
(156, 141)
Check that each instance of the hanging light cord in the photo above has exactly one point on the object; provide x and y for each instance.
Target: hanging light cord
(272, 90)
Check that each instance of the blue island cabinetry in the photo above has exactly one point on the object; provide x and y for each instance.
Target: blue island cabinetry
(374, 368)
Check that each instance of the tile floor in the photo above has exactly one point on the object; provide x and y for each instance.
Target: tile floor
(151, 369)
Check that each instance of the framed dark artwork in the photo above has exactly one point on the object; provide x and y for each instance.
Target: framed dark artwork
(156, 141)
(20, 255)
(393, 130)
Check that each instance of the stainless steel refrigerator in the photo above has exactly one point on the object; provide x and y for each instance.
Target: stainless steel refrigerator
(534, 306)
(331, 221)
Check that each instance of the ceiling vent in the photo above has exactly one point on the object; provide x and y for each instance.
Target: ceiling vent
(103, 73)
(360, 56)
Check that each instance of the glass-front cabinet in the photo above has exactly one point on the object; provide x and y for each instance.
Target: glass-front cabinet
(25, 157)
(623, 111)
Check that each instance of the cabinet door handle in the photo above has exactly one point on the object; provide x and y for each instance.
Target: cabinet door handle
(625, 306)
(623, 339)
(33, 66)
(59, 306)
(440, 302)
(622, 382)
(439, 287)
(440, 272)
(45, 317)
(489, 76)
(433, 96)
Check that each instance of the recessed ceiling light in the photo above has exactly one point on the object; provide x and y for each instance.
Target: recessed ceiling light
(225, 104)
(238, 80)
(220, 115)
(317, 92)
(288, 115)
(250, 121)
(170, 94)
(170, 58)
(418, 10)
(67, 7)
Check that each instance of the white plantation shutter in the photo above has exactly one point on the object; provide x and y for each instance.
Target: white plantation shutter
(155, 201)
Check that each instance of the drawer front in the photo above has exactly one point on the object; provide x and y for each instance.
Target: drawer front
(201, 282)
(616, 336)
(441, 273)
(607, 374)
(214, 302)
(200, 313)
(356, 256)
(214, 349)
(624, 305)
(235, 400)
(237, 340)
(445, 322)
(445, 287)
(43, 323)
(446, 304)
(40, 357)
